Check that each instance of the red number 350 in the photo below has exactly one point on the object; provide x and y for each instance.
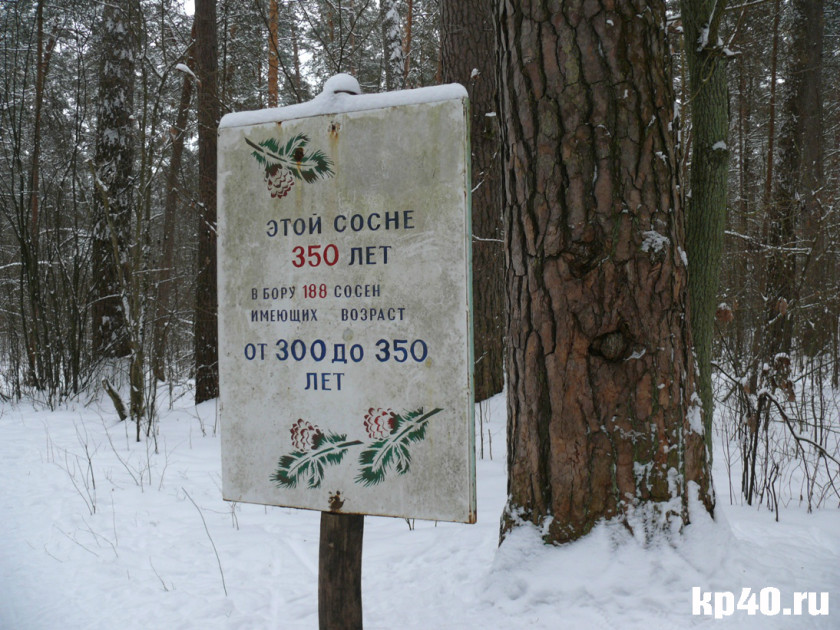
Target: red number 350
(313, 256)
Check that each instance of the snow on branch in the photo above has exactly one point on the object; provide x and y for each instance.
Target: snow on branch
(181, 67)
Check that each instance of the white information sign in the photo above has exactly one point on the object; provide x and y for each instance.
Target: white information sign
(345, 328)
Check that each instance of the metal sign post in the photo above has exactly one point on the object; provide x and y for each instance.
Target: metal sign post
(345, 326)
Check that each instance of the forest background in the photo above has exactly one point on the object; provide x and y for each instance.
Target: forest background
(107, 111)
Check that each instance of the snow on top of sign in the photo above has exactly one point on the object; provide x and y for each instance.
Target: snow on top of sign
(339, 83)
(341, 94)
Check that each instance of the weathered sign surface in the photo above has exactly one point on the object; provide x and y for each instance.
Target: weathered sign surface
(344, 305)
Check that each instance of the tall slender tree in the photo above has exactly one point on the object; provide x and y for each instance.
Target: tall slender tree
(601, 377)
(206, 334)
(394, 60)
(114, 170)
(273, 54)
(467, 55)
(706, 211)
(35, 331)
(165, 274)
(796, 209)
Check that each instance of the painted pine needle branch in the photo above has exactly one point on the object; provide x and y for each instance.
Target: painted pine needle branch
(308, 166)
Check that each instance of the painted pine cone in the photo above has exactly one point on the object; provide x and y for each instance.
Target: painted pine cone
(279, 181)
(379, 423)
(305, 436)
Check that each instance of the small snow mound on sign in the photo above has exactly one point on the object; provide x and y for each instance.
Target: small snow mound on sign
(341, 83)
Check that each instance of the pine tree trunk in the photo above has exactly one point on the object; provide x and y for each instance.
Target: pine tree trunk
(409, 24)
(206, 340)
(467, 49)
(273, 55)
(600, 372)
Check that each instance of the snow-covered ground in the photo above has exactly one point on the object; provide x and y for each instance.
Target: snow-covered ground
(99, 532)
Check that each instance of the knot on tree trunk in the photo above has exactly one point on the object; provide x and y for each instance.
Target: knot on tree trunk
(584, 257)
(613, 346)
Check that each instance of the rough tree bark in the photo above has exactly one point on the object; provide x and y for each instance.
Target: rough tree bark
(273, 54)
(600, 373)
(206, 335)
(409, 24)
(467, 51)
(706, 207)
(799, 182)
(114, 167)
(392, 45)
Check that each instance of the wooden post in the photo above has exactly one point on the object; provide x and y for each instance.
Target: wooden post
(340, 571)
